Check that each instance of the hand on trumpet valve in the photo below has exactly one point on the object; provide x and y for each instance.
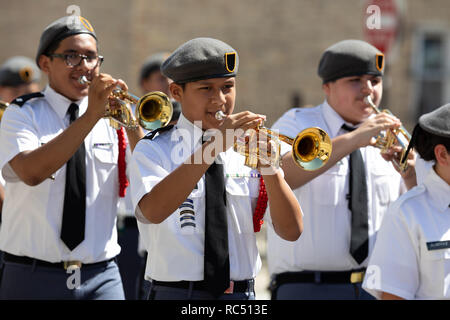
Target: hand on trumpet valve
(100, 95)
(371, 130)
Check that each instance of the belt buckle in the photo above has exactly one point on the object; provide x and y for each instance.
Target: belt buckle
(357, 277)
(74, 263)
(230, 288)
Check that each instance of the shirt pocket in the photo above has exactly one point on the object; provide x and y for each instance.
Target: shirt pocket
(381, 181)
(239, 203)
(105, 153)
(434, 266)
(329, 188)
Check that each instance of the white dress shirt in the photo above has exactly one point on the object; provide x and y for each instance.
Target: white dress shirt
(325, 242)
(32, 216)
(176, 245)
(411, 258)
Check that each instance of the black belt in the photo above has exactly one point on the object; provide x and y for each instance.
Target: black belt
(353, 276)
(7, 257)
(235, 286)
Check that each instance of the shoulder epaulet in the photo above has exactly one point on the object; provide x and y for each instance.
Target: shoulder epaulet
(153, 133)
(22, 99)
(411, 194)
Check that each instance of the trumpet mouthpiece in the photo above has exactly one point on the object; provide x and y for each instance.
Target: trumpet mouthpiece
(220, 115)
(368, 100)
(83, 80)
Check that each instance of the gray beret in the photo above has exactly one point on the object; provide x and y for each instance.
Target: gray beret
(350, 58)
(437, 122)
(153, 63)
(62, 28)
(18, 70)
(199, 59)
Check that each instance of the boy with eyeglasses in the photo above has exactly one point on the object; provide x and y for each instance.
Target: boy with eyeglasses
(60, 162)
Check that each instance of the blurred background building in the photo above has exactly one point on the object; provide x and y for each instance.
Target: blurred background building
(279, 42)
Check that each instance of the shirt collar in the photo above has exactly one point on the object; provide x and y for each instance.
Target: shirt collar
(438, 190)
(333, 119)
(61, 104)
(195, 133)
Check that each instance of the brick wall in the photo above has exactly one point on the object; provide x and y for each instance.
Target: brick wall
(279, 42)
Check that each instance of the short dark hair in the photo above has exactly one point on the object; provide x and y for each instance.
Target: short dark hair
(425, 143)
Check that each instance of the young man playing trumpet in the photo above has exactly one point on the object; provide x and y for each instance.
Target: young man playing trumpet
(345, 200)
(195, 202)
(59, 159)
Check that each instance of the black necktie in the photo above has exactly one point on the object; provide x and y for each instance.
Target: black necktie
(74, 210)
(357, 203)
(217, 261)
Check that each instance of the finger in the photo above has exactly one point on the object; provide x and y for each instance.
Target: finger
(373, 141)
(245, 116)
(250, 124)
(120, 83)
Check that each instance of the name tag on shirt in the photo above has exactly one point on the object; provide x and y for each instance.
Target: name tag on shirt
(437, 245)
(104, 145)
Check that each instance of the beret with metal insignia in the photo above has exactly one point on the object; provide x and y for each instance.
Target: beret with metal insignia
(60, 29)
(350, 58)
(18, 70)
(199, 59)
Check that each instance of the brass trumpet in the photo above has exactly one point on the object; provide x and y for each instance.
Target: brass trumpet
(311, 148)
(387, 139)
(153, 110)
(3, 106)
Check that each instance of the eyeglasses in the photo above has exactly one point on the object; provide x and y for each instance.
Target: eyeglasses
(74, 59)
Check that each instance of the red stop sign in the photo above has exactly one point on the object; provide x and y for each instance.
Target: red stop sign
(381, 23)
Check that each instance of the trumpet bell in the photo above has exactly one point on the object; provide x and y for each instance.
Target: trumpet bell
(311, 148)
(154, 110)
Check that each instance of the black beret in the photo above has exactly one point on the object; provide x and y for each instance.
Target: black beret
(62, 28)
(350, 58)
(437, 122)
(18, 70)
(152, 63)
(199, 59)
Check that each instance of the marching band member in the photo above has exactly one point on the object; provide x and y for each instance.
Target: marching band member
(345, 200)
(411, 256)
(59, 159)
(18, 76)
(194, 210)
